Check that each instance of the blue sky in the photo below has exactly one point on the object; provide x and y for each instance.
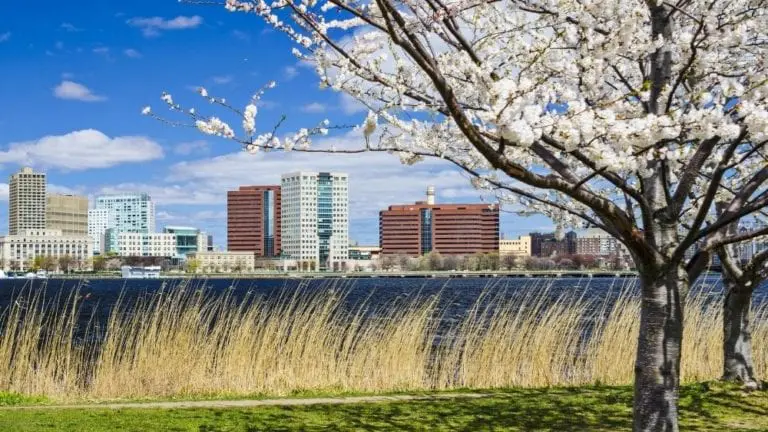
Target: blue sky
(75, 76)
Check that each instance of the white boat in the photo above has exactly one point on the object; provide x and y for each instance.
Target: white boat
(129, 272)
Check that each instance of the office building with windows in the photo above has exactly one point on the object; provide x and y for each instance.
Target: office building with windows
(99, 221)
(254, 220)
(129, 244)
(315, 219)
(520, 247)
(188, 240)
(27, 201)
(125, 213)
(68, 213)
(451, 229)
(19, 251)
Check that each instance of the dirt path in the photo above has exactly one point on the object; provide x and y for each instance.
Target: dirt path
(253, 403)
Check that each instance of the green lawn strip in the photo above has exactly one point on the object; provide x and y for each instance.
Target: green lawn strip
(704, 407)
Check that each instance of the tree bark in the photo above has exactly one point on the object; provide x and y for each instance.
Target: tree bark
(657, 366)
(737, 338)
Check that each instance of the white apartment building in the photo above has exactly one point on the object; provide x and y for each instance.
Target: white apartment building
(128, 213)
(20, 250)
(315, 219)
(224, 262)
(27, 201)
(99, 221)
(146, 244)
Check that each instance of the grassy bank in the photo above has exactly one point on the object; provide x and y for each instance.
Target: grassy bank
(187, 343)
(703, 407)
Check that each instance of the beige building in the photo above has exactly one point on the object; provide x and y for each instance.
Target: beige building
(19, 251)
(224, 262)
(520, 247)
(68, 213)
(26, 201)
(143, 244)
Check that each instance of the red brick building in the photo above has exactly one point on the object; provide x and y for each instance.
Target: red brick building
(253, 220)
(451, 229)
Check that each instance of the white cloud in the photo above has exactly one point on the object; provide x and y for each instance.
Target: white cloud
(290, 73)
(243, 36)
(188, 148)
(70, 27)
(81, 150)
(5, 36)
(350, 105)
(132, 53)
(206, 181)
(74, 91)
(222, 79)
(169, 194)
(152, 27)
(314, 108)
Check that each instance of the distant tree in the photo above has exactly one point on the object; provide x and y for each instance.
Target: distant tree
(238, 267)
(66, 262)
(492, 261)
(434, 260)
(566, 263)
(403, 261)
(49, 263)
(509, 261)
(451, 262)
(192, 265)
(387, 262)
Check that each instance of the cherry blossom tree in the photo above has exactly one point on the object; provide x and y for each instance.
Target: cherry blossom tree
(744, 268)
(632, 116)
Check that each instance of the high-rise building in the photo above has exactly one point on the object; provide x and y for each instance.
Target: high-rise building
(315, 219)
(253, 220)
(451, 229)
(68, 213)
(127, 213)
(26, 201)
(99, 221)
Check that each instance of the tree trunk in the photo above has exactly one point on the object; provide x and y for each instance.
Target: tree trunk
(737, 339)
(657, 366)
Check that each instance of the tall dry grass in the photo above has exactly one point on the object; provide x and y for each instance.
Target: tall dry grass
(185, 341)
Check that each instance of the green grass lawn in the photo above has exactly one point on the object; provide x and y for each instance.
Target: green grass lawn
(704, 407)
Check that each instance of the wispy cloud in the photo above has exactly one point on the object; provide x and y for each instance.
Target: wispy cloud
(243, 36)
(222, 79)
(187, 148)
(101, 50)
(153, 26)
(351, 105)
(70, 27)
(5, 36)
(74, 91)
(290, 72)
(81, 150)
(132, 53)
(314, 108)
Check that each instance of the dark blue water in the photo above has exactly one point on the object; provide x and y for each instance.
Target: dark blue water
(455, 296)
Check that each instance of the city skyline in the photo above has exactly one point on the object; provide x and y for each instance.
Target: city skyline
(96, 67)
